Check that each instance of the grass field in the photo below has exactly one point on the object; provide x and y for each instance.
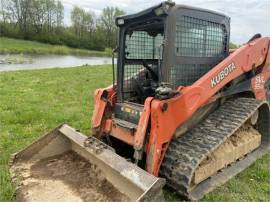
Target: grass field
(16, 46)
(32, 102)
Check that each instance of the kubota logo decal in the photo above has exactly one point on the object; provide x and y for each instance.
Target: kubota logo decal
(222, 74)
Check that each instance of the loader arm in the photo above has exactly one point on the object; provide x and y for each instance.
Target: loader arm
(191, 98)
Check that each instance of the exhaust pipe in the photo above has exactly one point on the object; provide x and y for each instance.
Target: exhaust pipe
(65, 165)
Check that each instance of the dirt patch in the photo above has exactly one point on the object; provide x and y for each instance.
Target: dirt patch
(242, 142)
(239, 137)
(67, 177)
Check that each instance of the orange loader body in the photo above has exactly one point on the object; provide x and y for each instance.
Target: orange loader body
(165, 116)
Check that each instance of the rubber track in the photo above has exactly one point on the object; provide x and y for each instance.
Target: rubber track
(185, 153)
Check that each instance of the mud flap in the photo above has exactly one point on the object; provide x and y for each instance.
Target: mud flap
(129, 182)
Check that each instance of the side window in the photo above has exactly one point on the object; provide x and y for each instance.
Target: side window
(199, 38)
(140, 45)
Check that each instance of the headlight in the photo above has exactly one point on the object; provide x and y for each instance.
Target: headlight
(159, 11)
(120, 21)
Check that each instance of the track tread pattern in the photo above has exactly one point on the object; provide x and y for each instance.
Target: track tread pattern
(186, 152)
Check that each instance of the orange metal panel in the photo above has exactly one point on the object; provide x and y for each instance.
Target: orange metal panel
(107, 126)
(143, 125)
(122, 134)
(100, 104)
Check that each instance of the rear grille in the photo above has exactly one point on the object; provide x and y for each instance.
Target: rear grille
(199, 38)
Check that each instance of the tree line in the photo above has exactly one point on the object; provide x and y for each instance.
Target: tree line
(43, 20)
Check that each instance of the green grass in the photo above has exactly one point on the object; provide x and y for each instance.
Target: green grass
(32, 102)
(16, 46)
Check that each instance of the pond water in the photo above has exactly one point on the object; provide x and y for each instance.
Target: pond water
(24, 62)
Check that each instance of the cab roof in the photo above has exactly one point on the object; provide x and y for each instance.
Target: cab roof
(163, 9)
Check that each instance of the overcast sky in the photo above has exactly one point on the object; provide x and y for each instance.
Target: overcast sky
(248, 17)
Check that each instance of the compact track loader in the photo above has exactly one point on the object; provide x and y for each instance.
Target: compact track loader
(182, 107)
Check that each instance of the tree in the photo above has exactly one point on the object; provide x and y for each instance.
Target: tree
(20, 10)
(82, 21)
(59, 14)
(42, 20)
(76, 19)
(50, 8)
(38, 14)
(107, 23)
(88, 22)
(3, 11)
